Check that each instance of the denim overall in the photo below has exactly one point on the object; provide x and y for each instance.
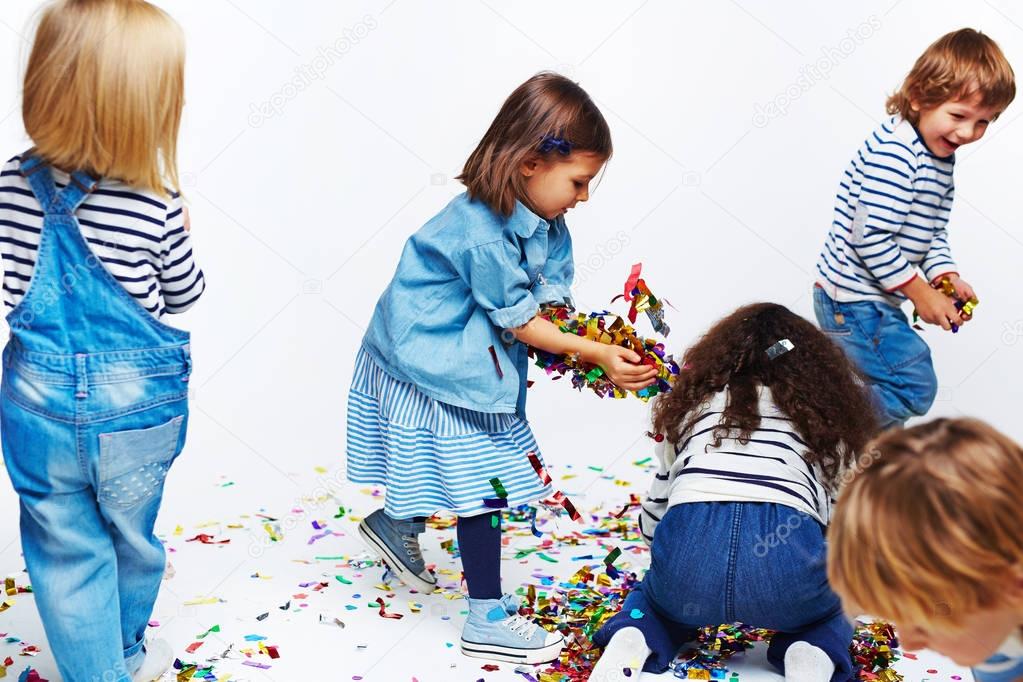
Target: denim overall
(94, 410)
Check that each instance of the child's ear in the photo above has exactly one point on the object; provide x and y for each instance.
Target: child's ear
(1015, 589)
(530, 166)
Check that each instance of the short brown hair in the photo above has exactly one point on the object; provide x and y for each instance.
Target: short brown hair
(930, 531)
(104, 90)
(955, 66)
(548, 104)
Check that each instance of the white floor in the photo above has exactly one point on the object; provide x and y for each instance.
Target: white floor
(232, 585)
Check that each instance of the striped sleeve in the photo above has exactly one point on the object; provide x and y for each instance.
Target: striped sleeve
(656, 502)
(938, 260)
(181, 280)
(886, 169)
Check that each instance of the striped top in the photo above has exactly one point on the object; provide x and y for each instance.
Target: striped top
(1006, 665)
(139, 236)
(890, 217)
(769, 467)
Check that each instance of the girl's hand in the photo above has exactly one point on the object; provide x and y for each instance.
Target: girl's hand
(622, 366)
(188, 219)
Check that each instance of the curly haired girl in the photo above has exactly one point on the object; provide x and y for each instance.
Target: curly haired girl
(753, 443)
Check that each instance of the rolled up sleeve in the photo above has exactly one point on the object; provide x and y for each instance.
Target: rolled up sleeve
(499, 285)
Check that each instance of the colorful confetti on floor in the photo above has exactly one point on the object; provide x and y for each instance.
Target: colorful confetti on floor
(287, 592)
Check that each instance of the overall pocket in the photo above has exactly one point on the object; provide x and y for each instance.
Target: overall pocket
(133, 464)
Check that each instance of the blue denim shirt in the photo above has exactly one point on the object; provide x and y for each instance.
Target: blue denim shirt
(463, 278)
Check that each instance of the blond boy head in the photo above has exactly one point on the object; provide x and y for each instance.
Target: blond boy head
(930, 536)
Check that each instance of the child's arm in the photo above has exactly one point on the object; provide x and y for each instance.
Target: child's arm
(181, 280)
(619, 363)
(501, 287)
(656, 502)
(886, 195)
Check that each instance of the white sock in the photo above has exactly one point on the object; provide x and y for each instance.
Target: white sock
(627, 650)
(806, 663)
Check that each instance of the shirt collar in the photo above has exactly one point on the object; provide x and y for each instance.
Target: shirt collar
(524, 222)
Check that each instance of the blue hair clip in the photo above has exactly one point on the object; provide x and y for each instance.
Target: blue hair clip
(551, 143)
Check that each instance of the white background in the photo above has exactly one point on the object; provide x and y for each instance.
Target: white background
(299, 217)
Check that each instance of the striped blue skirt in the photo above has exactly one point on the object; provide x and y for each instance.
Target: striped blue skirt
(432, 456)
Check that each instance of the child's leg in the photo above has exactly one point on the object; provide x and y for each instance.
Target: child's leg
(878, 339)
(817, 654)
(73, 568)
(494, 629)
(647, 640)
(479, 541)
(133, 455)
(140, 566)
(65, 540)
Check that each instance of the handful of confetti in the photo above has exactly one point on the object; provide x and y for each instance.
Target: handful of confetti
(605, 327)
(965, 307)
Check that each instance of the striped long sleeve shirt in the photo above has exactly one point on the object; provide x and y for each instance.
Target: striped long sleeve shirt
(769, 467)
(139, 236)
(890, 218)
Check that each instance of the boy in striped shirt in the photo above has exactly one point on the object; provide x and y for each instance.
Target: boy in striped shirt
(888, 241)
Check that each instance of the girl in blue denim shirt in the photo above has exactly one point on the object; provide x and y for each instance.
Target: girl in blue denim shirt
(94, 405)
(436, 410)
(756, 436)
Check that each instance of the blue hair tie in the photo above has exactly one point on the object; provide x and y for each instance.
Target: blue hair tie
(551, 143)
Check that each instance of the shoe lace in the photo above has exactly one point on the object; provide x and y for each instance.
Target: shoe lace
(523, 627)
(411, 545)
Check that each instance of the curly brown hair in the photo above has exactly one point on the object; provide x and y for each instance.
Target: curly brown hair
(814, 385)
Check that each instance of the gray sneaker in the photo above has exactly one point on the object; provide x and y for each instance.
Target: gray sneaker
(397, 542)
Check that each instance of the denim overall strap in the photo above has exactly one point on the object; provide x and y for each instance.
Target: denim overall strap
(73, 303)
(63, 202)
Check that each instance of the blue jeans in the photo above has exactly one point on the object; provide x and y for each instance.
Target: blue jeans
(757, 563)
(894, 360)
(90, 479)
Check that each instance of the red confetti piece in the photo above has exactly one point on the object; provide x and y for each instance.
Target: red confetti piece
(207, 540)
(497, 364)
(560, 499)
(539, 468)
(193, 647)
(634, 501)
(630, 283)
(383, 611)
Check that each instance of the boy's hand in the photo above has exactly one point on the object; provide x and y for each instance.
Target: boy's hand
(621, 366)
(933, 306)
(964, 292)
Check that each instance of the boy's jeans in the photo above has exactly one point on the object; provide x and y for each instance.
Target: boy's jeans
(893, 358)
